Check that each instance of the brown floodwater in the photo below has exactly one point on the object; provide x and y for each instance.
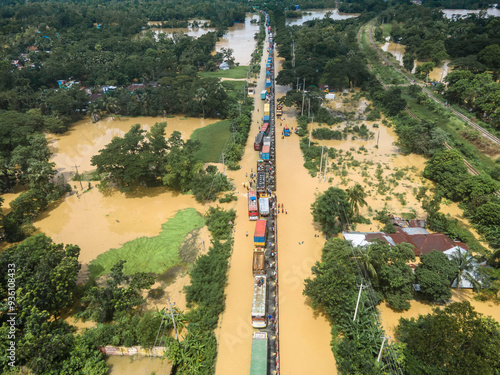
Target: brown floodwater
(398, 50)
(85, 139)
(390, 318)
(319, 14)
(239, 37)
(234, 334)
(304, 333)
(98, 222)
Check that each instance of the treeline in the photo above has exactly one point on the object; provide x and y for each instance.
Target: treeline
(457, 4)
(471, 42)
(477, 195)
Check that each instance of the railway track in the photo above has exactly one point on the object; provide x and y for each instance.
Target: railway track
(472, 124)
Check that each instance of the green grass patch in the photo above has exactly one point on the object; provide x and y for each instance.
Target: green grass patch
(236, 72)
(234, 88)
(151, 254)
(213, 139)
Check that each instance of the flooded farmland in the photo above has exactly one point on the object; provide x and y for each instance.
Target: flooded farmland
(239, 37)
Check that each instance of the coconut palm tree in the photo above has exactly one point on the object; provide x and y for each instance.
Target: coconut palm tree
(466, 268)
(357, 197)
(367, 261)
(201, 97)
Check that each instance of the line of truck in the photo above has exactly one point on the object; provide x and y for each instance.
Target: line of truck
(259, 210)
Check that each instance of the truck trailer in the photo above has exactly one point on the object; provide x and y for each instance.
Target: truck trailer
(259, 302)
(253, 209)
(257, 145)
(264, 155)
(259, 237)
(258, 361)
(259, 261)
(264, 206)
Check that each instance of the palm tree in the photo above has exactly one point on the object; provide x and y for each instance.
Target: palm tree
(466, 265)
(366, 258)
(357, 197)
(201, 96)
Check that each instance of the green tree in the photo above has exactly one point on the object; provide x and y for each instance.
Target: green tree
(395, 277)
(466, 268)
(120, 294)
(453, 340)
(357, 197)
(408, 61)
(45, 275)
(434, 273)
(448, 169)
(332, 211)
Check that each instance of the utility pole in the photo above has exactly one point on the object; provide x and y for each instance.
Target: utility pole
(79, 177)
(303, 97)
(309, 110)
(378, 137)
(321, 163)
(297, 83)
(173, 320)
(310, 133)
(381, 348)
(326, 166)
(357, 303)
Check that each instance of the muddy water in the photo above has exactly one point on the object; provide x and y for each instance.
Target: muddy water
(98, 222)
(390, 319)
(304, 334)
(438, 73)
(85, 139)
(126, 365)
(234, 334)
(315, 13)
(239, 37)
(397, 50)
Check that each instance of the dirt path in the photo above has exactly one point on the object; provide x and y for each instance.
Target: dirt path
(235, 330)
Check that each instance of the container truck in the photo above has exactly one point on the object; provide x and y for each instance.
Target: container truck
(267, 109)
(258, 361)
(259, 237)
(264, 155)
(263, 94)
(253, 209)
(257, 146)
(264, 206)
(259, 302)
(264, 129)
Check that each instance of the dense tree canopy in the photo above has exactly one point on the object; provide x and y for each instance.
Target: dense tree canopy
(332, 211)
(435, 273)
(453, 340)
